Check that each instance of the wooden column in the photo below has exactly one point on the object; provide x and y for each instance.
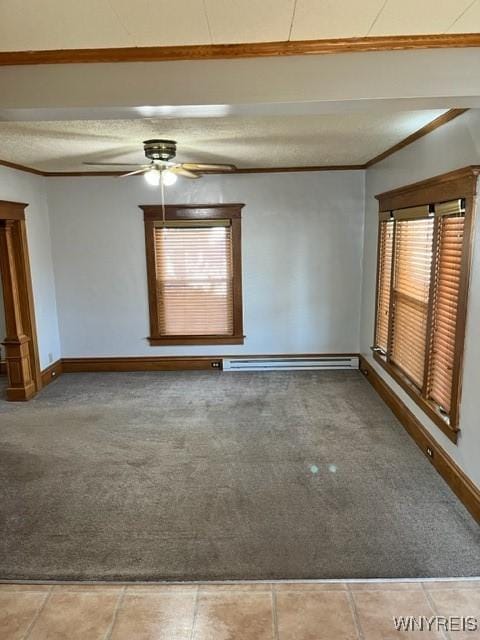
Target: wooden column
(20, 342)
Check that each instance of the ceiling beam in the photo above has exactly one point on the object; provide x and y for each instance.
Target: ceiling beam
(259, 109)
(333, 79)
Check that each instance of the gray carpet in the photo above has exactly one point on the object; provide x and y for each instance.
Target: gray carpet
(148, 476)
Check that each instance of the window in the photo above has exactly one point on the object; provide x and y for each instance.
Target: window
(422, 283)
(194, 274)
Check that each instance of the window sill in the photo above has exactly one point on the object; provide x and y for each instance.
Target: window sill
(427, 407)
(165, 341)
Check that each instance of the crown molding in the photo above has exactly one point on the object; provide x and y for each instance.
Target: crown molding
(332, 167)
(449, 115)
(241, 50)
(109, 174)
(21, 167)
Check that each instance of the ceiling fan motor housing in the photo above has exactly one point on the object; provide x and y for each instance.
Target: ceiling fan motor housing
(160, 149)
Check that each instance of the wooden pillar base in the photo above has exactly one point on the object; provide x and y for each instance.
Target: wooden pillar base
(20, 395)
(21, 385)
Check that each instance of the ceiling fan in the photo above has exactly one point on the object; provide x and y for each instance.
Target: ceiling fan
(161, 169)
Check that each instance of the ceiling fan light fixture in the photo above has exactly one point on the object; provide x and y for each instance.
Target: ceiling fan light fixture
(169, 178)
(152, 177)
(162, 170)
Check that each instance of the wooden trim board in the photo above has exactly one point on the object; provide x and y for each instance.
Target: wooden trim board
(240, 50)
(449, 115)
(320, 167)
(447, 186)
(116, 174)
(118, 364)
(52, 372)
(21, 167)
(458, 481)
(142, 363)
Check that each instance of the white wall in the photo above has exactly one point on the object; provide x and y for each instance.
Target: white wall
(18, 186)
(302, 258)
(452, 146)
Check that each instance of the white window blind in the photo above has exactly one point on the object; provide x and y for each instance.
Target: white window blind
(384, 281)
(194, 276)
(445, 304)
(413, 263)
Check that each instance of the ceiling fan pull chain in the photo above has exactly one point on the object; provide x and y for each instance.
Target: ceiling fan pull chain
(162, 189)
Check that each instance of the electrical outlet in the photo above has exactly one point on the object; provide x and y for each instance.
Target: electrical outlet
(429, 452)
(215, 365)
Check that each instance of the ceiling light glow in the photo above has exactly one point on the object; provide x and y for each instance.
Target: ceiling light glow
(152, 177)
(169, 178)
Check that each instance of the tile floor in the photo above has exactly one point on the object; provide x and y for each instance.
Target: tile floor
(259, 611)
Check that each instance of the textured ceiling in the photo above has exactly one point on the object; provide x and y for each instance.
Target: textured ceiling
(277, 141)
(70, 24)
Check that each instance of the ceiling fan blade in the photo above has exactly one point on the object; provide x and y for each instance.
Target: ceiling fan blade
(133, 173)
(203, 166)
(114, 164)
(181, 171)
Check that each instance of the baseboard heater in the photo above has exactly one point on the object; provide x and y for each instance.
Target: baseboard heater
(295, 363)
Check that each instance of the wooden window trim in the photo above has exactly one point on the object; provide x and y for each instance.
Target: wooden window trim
(193, 340)
(153, 214)
(459, 184)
